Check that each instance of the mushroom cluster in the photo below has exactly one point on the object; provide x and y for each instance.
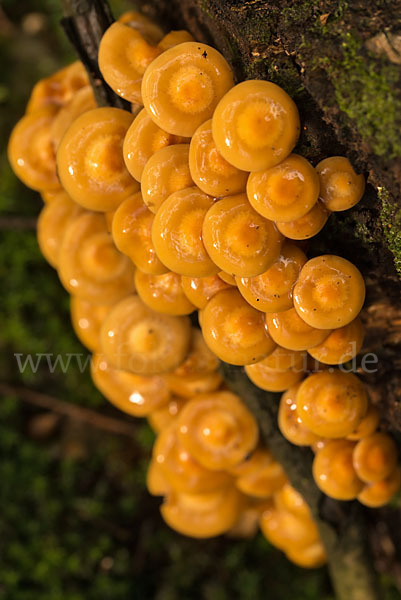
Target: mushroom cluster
(195, 202)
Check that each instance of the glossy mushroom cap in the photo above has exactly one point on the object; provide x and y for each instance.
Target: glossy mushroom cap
(330, 292)
(375, 457)
(290, 331)
(308, 557)
(332, 404)
(285, 192)
(123, 57)
(162, 417)
(286, 530)
(182, 87)
(209, 170)
(217, 429)
(380, 493)
(137, 339)
(142, 140)
(282, 359)
(199, 290)
(341, 345)
(166, 172)
(234, 330)
(340, 187)
(132, 234)
(147, 28)
(259, 476)
(272, 290)
(59, 88)
(289, 422)
(203, 515)
(31, 152)
(308, 225)
(89, 264)
(156, 482)
(87, 319)
(227, 278)
(163, 293)
(334, 473)
(53, 221)
(177, 233)
(367, 426)
(173, 38)
(82, 101)
(238, 239)
(256, 125)
(182, 471)
(136, 395)
(90, 159)
(273, 380)
(287, 498)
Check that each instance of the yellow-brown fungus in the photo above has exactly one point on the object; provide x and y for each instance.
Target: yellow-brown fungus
(199, 290)
(227, 278)
(332, 404)
(307, 226)
(272, 380)
(285, 192)
(256, 125)
(329, 293)
(340, 187)
(380, 493)
(287, 530)
(166, 172)
(308, 557)
(209, 170)
(90, 265)
(217, 429)
(287, 498)
(53, 221)
(272, 290)
(163, 293)
(87, 319)
(367, 426)
(142, 140)
(162, 417)
(150, 31)
(334, 473)
(181, 470)
(124, 56)
(290, 331)
(375, 457)
(234, 330)
(30, 150)
(81, 102)
(59, 88)
(132, 234)
(156, 482)
(90, 159)
(137, 339)
(134, 394)
(238, 239)
(341, 345)
(260, 476)
(282, 359)
(182, 87)
(177, 233)
(289, 422)
(173, 38)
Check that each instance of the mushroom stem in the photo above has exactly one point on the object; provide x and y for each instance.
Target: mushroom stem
(342, 526)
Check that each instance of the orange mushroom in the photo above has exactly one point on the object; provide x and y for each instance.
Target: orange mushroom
(166, 172)
(162, 417)
(289, 422)
(234, 330)
(334, 473)
(132, 234)
(199, 290)
(209, 170)
(173, 38)
(380, 493)
(332, 404)
(182, 87)
(156, 482)
(286, 530)
(87, 319)
(146, 27)
(341, 345)
(273, 380)
(163, 293)
(290, 331)
(137, 339)
(308, 225)
(90, 159)
(285, 192)
(238, 239)
(177, 233)
(90, 266)
(309, 557)
(256, 125)
(227, 278)
(136, 395)
(367, 426)
(282, 359)
(340, 187)
(375, 457)
(217, 430)
(272, 290)
(58, 89)
(329, 293)
(82, 101)
(259, 476)
(289, 499)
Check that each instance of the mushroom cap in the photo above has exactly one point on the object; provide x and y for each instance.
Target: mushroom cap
(234, 330)
(286, 530)
(334, 473)
(290, 331)
(380, 493)
(163, 293)
(308, 557)
(255, 125)
(238, 239)
(341, 345)
(308, 225)
(156, 482)
(332, 404)
(147, 28)
(162, 417)
(340, 187)
(199, 290)
(58, 89)
(329, 293)
(90, 160)
(375, 457)
(82, 101)
(259, 476)
(282, 359)
(289, 422)
(182, 87)
(273, 380)
(87, 319)
(367, 426)
(289, 499)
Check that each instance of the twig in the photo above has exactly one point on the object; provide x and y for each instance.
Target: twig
(73, 411)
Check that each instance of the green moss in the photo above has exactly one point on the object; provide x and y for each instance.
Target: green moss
(390, 217)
